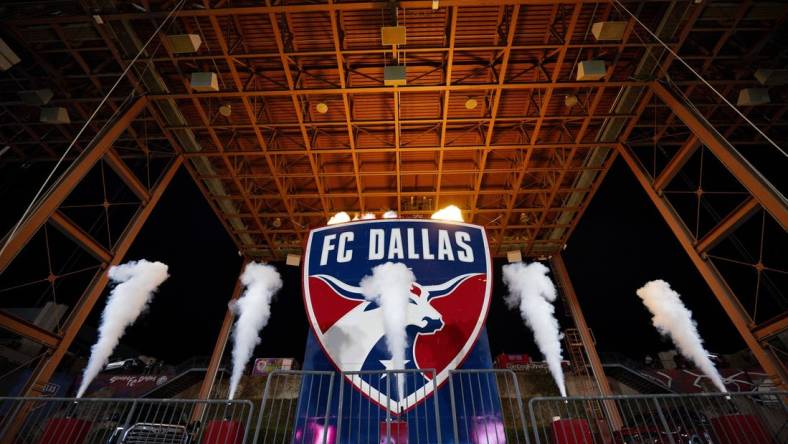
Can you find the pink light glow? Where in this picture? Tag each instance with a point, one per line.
(313, 432)
(487, 430)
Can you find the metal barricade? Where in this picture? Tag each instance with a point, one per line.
(296, 408)
(363, 418)
(123, 421)
(704, 418)
(487, 407)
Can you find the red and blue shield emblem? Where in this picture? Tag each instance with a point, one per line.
(447, 307)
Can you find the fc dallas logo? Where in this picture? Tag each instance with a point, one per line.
(447, 307)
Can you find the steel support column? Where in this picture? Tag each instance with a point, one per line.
(730, 303)
(48, 364)
(562, 274)
(767, 195)
(221, 343)
(66, 183)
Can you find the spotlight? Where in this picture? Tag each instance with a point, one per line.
(277, 222)
(471, 103)
(225, 110)
(322, 108)
(451, 213)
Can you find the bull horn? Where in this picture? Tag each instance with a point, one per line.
(334, 281)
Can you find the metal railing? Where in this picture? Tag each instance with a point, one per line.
(296, 408)
(123, 421)
(705, 418)
(487, 407)
(360, 421)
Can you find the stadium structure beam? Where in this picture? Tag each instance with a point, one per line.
(221, 343)
(470, 87)
(48, 364)
(454, 11)
(273, 9)
(345, 101)
(728, 224)
(724, 294)
(677, 162)
(28, 330)
(42, 212)
(771, 328)
(218, 350)
(129, 178)
(297, 107)
(217, 142)
(416, 149)
(759, 187)
(507, 51)
(83, 307)
(80, 236)
(561, 272)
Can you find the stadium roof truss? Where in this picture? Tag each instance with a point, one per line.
(492, 119)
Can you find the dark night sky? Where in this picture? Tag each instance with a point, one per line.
(620, 244)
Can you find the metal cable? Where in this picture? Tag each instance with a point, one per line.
(35, 201)
(687, 65)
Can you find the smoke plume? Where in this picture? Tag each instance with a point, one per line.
(532, 291)
(136, 282)
(253, 309)
(389, 286)
(672, 318)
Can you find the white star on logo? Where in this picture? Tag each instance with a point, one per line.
(389, 365)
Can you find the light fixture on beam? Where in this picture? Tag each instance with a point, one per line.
(753, 97)
(225, 110)
(591, 70)
(570, 100)
(435, 5)
(36, 97)
(293, 260)
(514, 256)
(205, 81)
(8, 57)
(394, 75)
(277, 223)
(321, 107)
(185, 43)
(392, 35)
(608, 31)
(56, 115)
(471, 103)
(772, 77)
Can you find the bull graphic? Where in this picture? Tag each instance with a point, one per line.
(354, 336)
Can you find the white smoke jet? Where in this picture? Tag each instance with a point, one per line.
(253, 309)
(672, 318)
(532, 291)
(136, 283)
(339, 218)
(448, 213)
(389, 286)
(390, 214)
